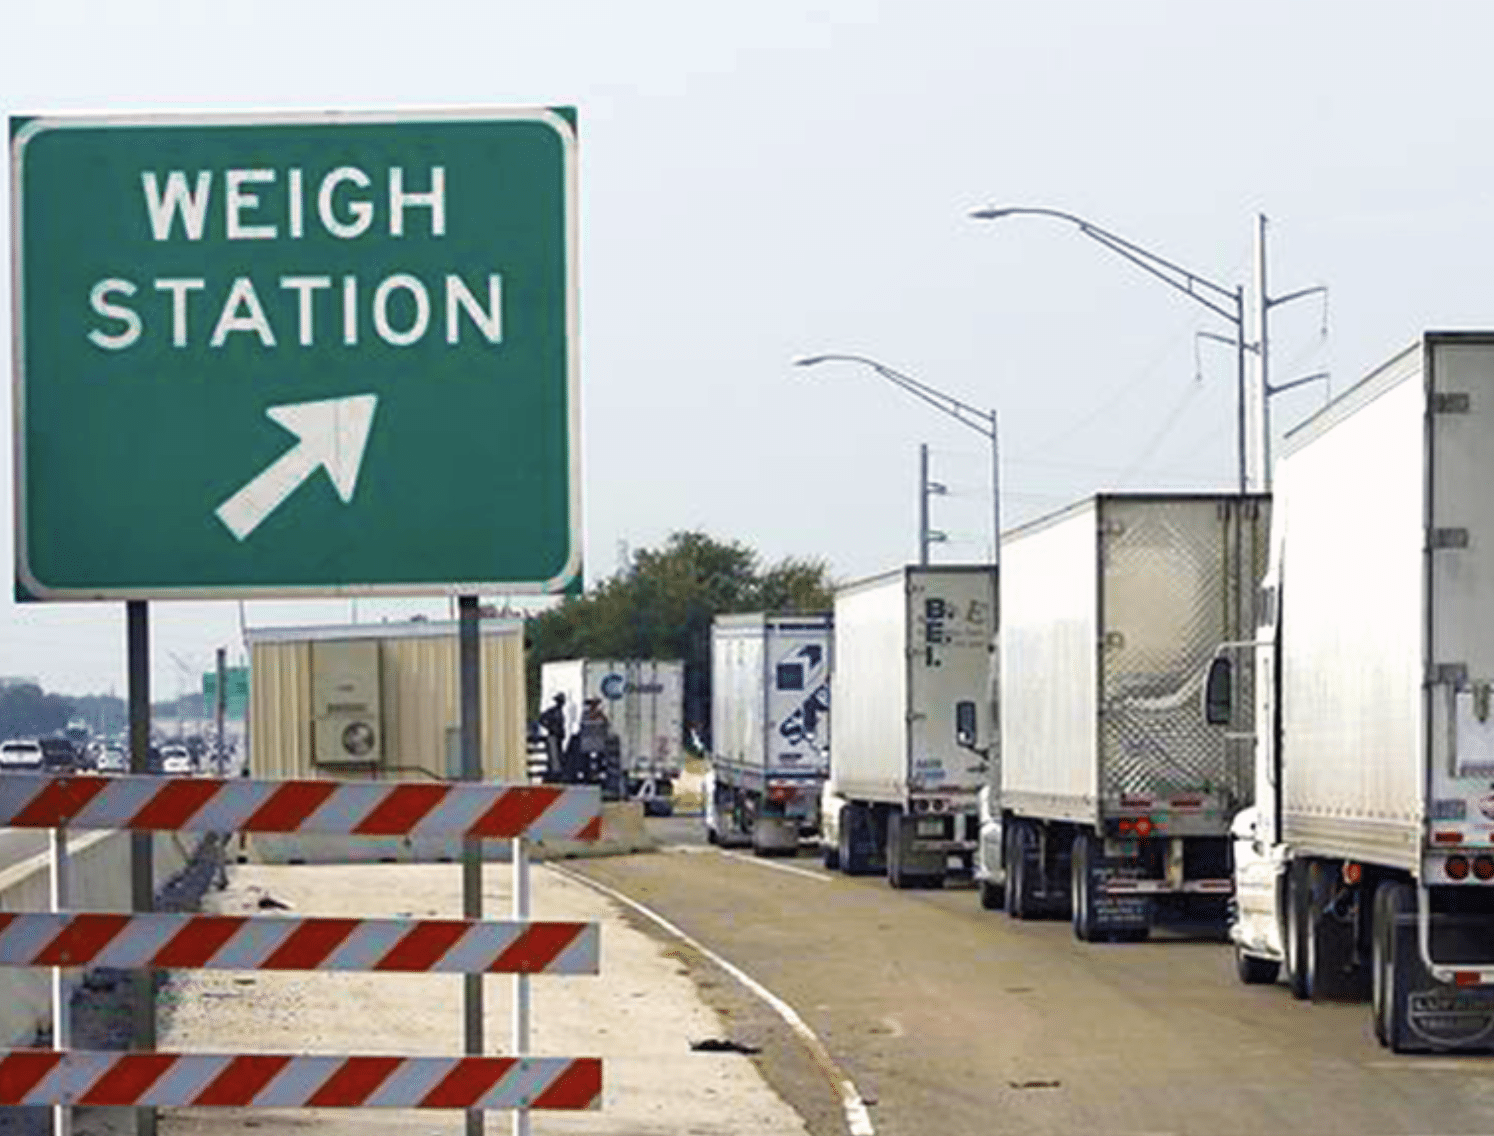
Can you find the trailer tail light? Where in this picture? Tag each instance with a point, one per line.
(1135, 801)
(1447, 837)
(1186, 802)
(1126, 826)
(1465, 978)
(1353, 872)
(1456, 867)
(780, 793)
(1143, 826)
(1483, 867)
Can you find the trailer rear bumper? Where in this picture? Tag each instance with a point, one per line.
(1113, 886)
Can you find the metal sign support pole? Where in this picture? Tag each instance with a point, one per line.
(469, 666)
(142, 844)
(62, 1115)
(521, 981)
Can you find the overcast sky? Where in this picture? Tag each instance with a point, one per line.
(766, 180)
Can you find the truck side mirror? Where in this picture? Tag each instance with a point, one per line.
(1219, 692)
(965, 724)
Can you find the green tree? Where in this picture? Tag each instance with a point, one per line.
(27, 712)
(662, 605)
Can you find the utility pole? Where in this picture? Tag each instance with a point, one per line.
(927, 489)
(220, 704)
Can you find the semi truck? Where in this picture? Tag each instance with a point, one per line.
(1367, 860)
(770, 729)
(643, 700)
(912, 657)
(1112, 799)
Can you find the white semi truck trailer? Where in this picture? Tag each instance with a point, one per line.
(910, 691)
(770, 729)
(644, 702)
(1113, 798)
(1368, 859)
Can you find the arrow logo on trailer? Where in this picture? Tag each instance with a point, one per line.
(333, 433)
(812, 652)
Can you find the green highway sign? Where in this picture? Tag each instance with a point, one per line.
(295, 354)
(235, 691)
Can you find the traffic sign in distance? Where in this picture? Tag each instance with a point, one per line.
(295, 354)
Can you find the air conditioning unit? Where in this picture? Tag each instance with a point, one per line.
(346, 693)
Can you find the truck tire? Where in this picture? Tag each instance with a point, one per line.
(1085, 921)
(1253, 970)
(1020, 871)
(1388, 995)
(1329, 942)
(1294, 930)
(830, 856)
(992, 896)
(851, 863)
(896, 877)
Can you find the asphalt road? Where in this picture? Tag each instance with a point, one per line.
(963, 1022)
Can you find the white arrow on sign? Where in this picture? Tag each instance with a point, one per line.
(333, 433)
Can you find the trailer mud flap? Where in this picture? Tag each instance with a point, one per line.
(1440, 1016)
(1117, 911)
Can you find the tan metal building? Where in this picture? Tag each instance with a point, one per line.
(380, 700)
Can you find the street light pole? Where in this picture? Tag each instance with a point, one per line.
(983, 422)
(927, 489)
(1228, 303)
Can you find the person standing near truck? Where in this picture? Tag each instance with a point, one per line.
(552, 721)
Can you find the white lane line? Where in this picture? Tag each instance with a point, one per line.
(858, 1120)
(817, 877)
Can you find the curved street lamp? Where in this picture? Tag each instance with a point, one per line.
(1225, 302)
(1245, 311)
(983, 422)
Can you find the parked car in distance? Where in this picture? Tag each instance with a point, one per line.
(20, 755)
(58, 755)
(176, 760)
(112, 759)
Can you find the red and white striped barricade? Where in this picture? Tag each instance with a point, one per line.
(325, 807)
(239, 942)
(341, 808)
(81, 1077)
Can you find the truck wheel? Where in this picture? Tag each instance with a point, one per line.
(711, 836)
(850, 863)
(1020, 903)
(1329, 942)
(1294, 938)
(992, 896)
(896, 877)
(1388, 993)
(1254, 970)
(830, 856)
(1085, 921)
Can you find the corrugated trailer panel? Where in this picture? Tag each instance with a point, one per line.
(869, 689)
(418, 664)
(1352, 613)
(280, 710)
(1179, 577)
(1049, 671)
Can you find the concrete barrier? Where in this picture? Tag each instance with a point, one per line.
(100, 881)
(622, 832)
